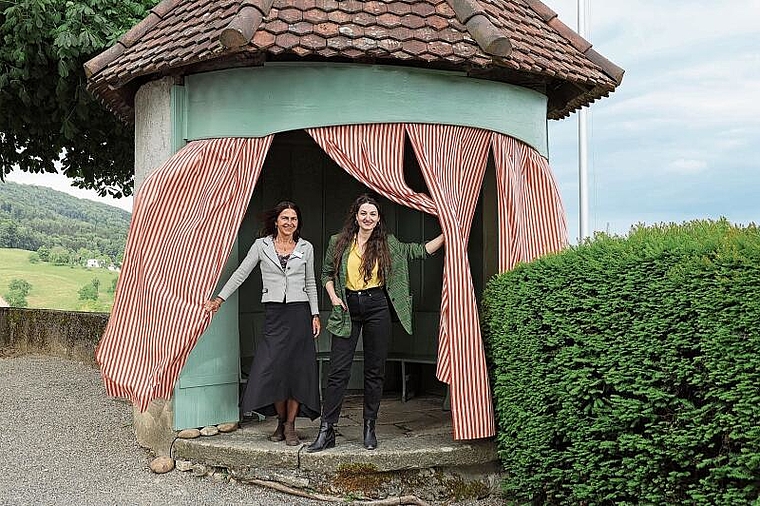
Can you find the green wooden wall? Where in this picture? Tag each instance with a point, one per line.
(286, 98)
(258, 101)
(297, 169)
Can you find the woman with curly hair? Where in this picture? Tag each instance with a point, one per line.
(365, 273)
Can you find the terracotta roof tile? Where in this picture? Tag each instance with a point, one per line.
(264, 39)
(440, 48)
(389, 20)
(413, 21)
(314, 42)
(339, 43)
(444, 9)
(399, 8)
(276, 27)
(291, 15)
(339, 16)
(326, 29)
(352, 6)
(315, 16)
(287, 40)
(533, 46)
(301, 28)
(375, 8)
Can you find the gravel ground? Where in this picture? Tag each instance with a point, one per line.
(63, 441)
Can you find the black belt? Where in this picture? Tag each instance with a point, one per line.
(368, 292)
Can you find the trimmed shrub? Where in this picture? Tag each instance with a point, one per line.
(627, 370)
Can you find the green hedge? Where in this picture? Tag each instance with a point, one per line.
(627, 370)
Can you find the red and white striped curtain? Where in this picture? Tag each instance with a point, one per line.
(374, 155)
(188, 212)
(532, 220)
(453, 161)
(185, 221)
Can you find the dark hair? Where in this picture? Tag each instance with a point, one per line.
(376, 249)
(269, 226)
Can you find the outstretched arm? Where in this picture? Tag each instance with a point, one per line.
(434, 245)
(241, 274)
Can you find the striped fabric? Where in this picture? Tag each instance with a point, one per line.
(185, 220)
(532, 220)
(374, 155)
(453, 161)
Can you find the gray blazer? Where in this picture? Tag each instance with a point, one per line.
(294, 284)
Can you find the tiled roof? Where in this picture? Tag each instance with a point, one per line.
(516, 41)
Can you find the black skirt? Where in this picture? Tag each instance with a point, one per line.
(285, 364)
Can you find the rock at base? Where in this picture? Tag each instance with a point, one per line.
(161, 465)
(211, 430)
(199, 470)
(227, 427)
(189, 434)
(183, 465)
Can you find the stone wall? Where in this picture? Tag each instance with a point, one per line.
(69, 334)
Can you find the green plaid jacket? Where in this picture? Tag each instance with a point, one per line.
(396, 284)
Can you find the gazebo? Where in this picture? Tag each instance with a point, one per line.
(440, 106)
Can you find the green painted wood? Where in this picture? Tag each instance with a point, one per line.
(208, 386)
(178, 111)
(278, 97)
(297, 169)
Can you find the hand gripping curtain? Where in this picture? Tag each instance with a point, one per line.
(185, 220)
(532, 220)
(373, 154)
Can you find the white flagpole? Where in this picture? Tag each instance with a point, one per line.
(583, 139)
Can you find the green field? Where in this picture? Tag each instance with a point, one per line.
(55, 286)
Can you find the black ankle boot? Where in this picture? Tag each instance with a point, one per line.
(325, 439)
(370, 440)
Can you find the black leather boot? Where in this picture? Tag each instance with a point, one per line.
(370, 440)
(325, 439)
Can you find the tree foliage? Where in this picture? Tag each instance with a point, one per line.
(18, 289)
(46, 114)
(90, 291)
(59, 226)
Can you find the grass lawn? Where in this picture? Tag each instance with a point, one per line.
(55, 286)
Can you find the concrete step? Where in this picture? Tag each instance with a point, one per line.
(415, 450)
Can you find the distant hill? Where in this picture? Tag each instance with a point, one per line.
(55, 286)
(35, 216)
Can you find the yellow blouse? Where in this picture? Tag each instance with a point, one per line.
(354, 278)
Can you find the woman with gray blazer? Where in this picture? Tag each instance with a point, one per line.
(291, 323)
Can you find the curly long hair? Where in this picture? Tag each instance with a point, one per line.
(375, 251)
(269, 226)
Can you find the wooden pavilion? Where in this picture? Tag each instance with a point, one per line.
(306, 90)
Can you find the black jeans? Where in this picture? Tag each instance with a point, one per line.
(370, 315)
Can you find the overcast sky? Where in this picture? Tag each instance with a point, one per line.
(678, 140)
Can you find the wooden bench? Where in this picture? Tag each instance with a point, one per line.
(324, 356)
